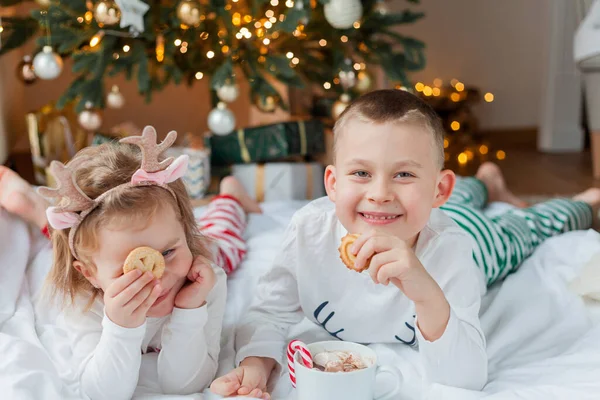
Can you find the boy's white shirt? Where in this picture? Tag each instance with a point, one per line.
(309, 280)
(107, 357)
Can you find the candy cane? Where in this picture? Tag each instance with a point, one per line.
(293, 347)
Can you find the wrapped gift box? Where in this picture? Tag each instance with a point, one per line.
(281, 181)
(197, 176)
(268, 143)
(53, 135)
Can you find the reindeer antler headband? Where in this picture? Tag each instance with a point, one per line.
(151, 173)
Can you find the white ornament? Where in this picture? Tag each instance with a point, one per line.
(132, 14)
(221, 120)
(115, 98)
(228, 92)
(89, 119)
(47, 64)
(340, 105)
(342, 14)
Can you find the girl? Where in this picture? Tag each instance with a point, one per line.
(128, 327)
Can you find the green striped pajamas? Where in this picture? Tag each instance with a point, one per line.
(503, 242)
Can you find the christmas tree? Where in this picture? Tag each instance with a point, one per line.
(157, 43)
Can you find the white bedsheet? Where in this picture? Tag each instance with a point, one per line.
(542, 339)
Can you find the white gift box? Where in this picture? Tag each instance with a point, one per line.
(281, 181)
(197, 176)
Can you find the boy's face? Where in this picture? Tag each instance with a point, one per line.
(386, 177)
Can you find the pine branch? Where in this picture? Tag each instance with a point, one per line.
(17, 31)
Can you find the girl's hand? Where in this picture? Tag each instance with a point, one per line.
(201, 280)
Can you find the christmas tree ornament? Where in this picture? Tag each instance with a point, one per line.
(107, 12)
(47, 64)
(132, 15)
(189, 12)
(115, 98)
(364, 82)
(221, 120)
(381, 8)
(89, 119)
(342, 14)
(267, 104)
(228, 93)
(340, 105)
(43, 3)
(347, 79)
(25, 71)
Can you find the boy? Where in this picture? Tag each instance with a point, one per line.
(388, 184)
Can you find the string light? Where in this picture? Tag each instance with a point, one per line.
(483, 149)
(322, 42)
(257, 24)
(289, 54)
(446, 143)
(177, 42)
(462, 158)
(327, 85)
(489, 97)
(437, 82)
(419, 86)
(436, 91)
(88, 16)
(500, 155)
(273, 20)
(459, 86)
(427, 91)
(357, 66)
(247, 18)
(266, 41)
(204, 35)
(455, 125)
(236, 19)
(455, 97)
(160, 48)
(274, 3)
(210, 54)
(96, 39)
(199, 75)
(356, 25)
(295, 60)
(225, 49)
(453, 82)
(344, 39)
(80, 20)
(282, 17)
(269, 13)
(126, 48)
(289, 3)
(183, 49)
(268, 24)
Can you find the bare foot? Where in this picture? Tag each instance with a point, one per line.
(232, 187)
(591, 197)
(491, 176)
(18, 197)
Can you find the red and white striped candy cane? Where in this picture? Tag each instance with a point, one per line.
(306, 357)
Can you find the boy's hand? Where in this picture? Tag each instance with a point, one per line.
(129, 297)
(393, 261)
(249, 379)
(201, 279)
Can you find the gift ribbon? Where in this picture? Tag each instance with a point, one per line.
(259, 183)
(243, 148)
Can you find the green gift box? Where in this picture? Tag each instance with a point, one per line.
(275, 142)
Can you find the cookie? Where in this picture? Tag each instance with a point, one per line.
(346, 255)
(145, 259)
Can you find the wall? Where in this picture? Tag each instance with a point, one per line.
(499, 46)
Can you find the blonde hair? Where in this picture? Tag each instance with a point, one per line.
(102, 168)
(395, 106)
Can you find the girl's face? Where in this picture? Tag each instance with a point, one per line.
(163, 232)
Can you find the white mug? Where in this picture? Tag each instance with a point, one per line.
(312, 384)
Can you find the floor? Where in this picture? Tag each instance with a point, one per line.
(527, 171)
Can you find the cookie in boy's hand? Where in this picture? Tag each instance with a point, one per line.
(145, 259)
(347, 256)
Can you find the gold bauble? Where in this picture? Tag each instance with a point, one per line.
(189, 12)
(364, 82)
(107, 12)
(340, 105)
(266, 104)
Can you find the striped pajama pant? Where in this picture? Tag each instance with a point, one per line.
(503, 242)
(224, 221)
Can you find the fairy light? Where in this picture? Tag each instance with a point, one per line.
(269, 13)
(295, 60)
(88, 16)
(462, 158)
(266, 41)
(273, 20)
(455, 97)
(419, 86)
(289, 3)
(357, 66)
(488, 97)
(344, 38)
(274, 3)
(80, 20)
(356, 25)
(177, 42)
(470, 155)
(257, 24)
(455, 125)
(183, 49)
(160, 48)
(437, 82)
(500, 155)
(199, 75)
(225, 49)
(236, 19)
(363, 65)
(483, 149)
(247, 18)
(322, 42)
(126, 48)
(327, 85)
(239, 35)
(210, 54)
(453, 82)
(459, 86)
(427, 91)
(96, 39)
(282, 17)
(446, 143)
(289, 55)
(268, 24)
(275, 35)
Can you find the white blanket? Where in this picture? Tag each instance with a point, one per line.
(542, 339)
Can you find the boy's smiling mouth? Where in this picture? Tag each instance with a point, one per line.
(378, 218)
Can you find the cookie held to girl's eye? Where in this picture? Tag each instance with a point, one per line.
(346, 255)
(145, 259)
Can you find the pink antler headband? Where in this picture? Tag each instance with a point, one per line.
(78, 205)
